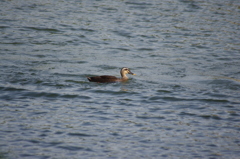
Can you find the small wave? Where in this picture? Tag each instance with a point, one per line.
(74, 148)
(80, 135)
(43, 29)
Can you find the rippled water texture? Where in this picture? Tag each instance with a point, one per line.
(183, 103)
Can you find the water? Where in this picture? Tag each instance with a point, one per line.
(183, 103)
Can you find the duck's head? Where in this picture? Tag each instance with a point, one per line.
(125, 71)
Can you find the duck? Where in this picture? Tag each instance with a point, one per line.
(110, 79)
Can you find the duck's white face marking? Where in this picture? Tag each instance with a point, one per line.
(125, 70)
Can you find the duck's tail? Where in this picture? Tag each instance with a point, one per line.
(89, 78)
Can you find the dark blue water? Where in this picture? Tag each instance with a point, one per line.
(183, 103)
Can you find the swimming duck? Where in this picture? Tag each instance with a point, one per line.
(108, 79)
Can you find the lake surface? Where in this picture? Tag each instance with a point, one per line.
(183, 103)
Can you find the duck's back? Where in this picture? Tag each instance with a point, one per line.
(103, 79)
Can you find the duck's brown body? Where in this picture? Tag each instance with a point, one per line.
(110, 79)
(103, 79)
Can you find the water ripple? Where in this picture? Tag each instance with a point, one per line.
(183, 103)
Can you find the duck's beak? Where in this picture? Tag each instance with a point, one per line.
(131, 73)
